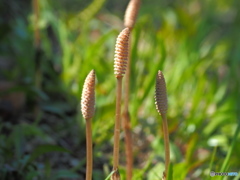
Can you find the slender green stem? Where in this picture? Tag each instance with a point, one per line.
(89, 149)
(166, 143)
(35, 5)
(38, 53)
(117, 127)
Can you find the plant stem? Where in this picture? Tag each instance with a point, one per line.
(166, 143)
(117, 128)
(89, 149)
(127, 79)
(37, 54)
(35, 5)
(126, 120)
(128, 146)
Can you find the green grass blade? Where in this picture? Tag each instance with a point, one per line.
(109, 175)
(170, 172)
(227, 159)
(212, 160)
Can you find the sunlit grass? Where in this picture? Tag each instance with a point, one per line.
(191, 52)
(196, 44)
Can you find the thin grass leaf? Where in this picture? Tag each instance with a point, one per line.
(109, 176)
(230, 150)
(212, 160)
(170, 172)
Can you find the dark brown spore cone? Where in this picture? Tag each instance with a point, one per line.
(161, 94)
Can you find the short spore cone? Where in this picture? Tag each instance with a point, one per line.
(88, 96)
(161, 94)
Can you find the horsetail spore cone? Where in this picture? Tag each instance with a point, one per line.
(162, 106)
(120, 64)
(87, 104)
(131, 13)
(88, 96)
(161, 94)
(121, 53)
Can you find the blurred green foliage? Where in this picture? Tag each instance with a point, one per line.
(196, 45)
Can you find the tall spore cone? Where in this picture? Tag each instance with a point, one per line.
(121, 53)
(131, 13)
(88, 96)
(161, 94)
